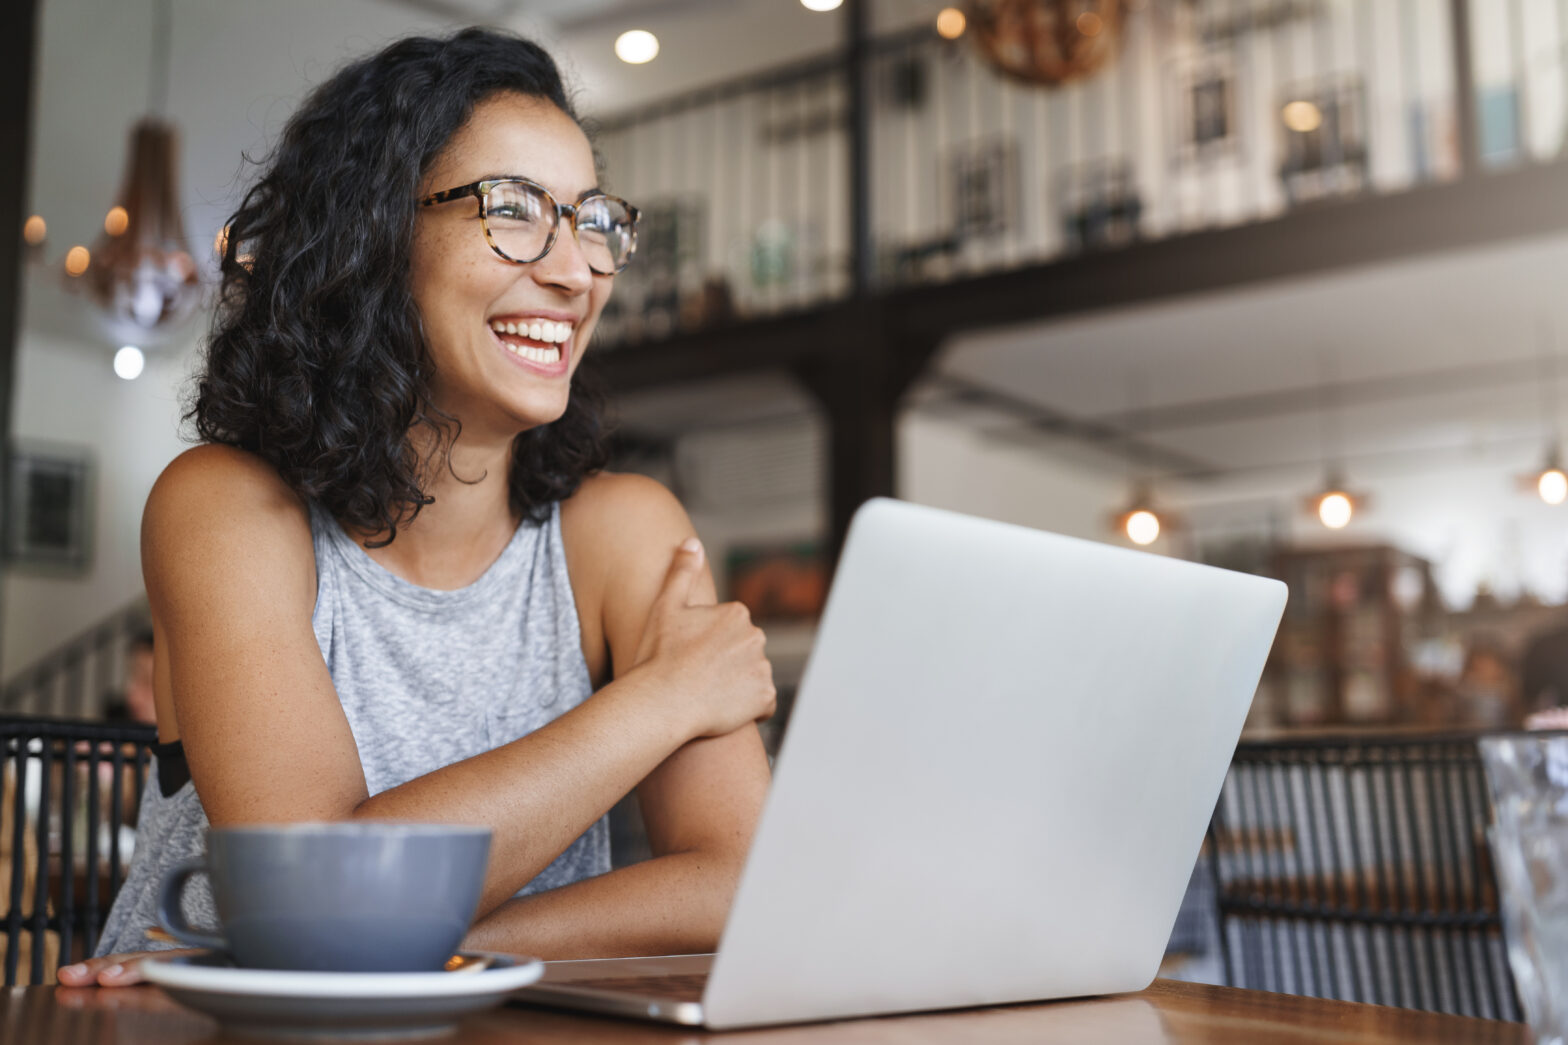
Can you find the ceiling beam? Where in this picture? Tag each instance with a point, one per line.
(1204, 413)
(778, 342)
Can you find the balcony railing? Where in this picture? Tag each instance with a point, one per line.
(1214, 113)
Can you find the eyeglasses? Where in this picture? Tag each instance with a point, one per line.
(521, 219)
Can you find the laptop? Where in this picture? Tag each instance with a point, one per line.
(1002, 759)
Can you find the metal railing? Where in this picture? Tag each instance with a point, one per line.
(1214, 113)
(69, 792)
(1358, 869)
(78, 678)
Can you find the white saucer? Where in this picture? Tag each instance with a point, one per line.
(310, 1004)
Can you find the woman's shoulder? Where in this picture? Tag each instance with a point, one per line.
(620, 532)
(608, 500)
(213, 496)
(620, 518)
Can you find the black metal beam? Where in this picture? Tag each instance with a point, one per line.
(18, 51)
(857, 67)
(1467, 134)
(779, 342)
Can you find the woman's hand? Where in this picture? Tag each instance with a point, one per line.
(112, 970)
(710, 658)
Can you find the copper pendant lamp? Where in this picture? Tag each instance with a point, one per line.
(1047, 42)
(143, 276)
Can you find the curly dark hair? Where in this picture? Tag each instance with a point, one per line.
(317, 359)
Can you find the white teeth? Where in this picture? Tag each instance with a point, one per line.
(544, 330)
(546, 356)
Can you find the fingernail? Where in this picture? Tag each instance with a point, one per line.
(113, 972)
(75, 970)
(691, 544)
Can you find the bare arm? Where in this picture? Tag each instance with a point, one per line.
(700, 805)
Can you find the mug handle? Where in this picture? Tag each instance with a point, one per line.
(172, 918)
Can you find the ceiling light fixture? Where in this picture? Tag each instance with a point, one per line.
(1333, 504)
(1142, 526)
(636, 47)
(1139, 522)
(1302, 116)
(951, 23)
(144, 279)
(128, 362)
(1550, 482)
(1335, 508)
(820, 5)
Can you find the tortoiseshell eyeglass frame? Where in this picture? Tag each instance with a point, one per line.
(480, 190)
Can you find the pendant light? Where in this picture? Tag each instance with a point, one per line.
(1551, 482)
(1333, 504)
(142, 275)
(1139, 521)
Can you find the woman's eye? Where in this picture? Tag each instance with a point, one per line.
(508, 212)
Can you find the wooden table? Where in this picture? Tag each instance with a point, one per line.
(1168, 1013)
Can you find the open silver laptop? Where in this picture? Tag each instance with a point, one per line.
(1002, 758)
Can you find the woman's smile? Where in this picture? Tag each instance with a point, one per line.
(539, 341)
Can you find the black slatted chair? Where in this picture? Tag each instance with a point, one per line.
(1357, 869)
(67, 788)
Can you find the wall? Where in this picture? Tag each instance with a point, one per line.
(236, 72)
(947, 464)
(67, 394)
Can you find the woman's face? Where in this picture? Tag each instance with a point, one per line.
(499, 383)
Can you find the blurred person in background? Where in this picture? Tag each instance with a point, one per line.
(1544, 679)
(136, 702)
(1486, 692)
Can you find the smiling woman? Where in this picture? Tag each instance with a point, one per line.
(396, 582)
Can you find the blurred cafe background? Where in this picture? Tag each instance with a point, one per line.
(1276, 285)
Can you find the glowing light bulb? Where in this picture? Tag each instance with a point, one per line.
(1143, 526)
(116, 221)
(1302, 117)
(1335, 510)
(76, 261)
(951, 23)
(34, 230)
(1553, 486)
(636, 47)
(820, 5)
(128, 362)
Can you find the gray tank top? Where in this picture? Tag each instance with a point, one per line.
(427, 678)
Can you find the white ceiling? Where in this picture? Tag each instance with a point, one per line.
(1430, 356)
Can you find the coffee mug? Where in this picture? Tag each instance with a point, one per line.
(363, 896)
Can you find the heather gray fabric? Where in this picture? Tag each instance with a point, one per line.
(426, 678)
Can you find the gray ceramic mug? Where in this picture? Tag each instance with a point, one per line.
(365, 896)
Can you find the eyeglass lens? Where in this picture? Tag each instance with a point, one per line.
(520, 218)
